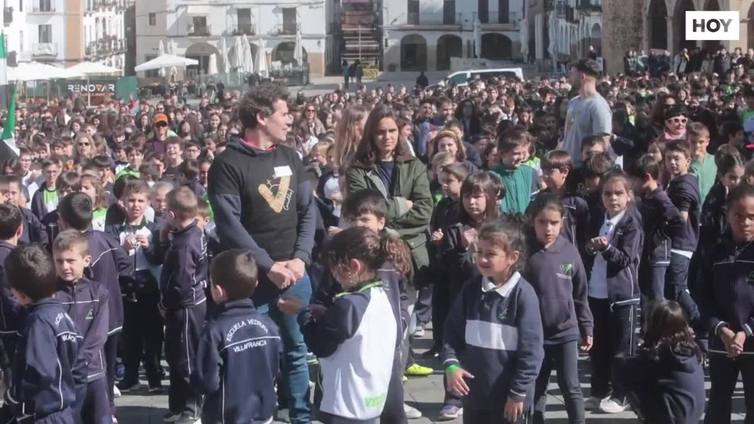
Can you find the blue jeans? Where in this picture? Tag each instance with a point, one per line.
(676, 285)
(294, 386)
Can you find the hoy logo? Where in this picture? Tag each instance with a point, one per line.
(710, 25)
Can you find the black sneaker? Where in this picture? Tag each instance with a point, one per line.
(171, 417)
(126, 386)
(188, 419)
(156, 388)
(432, 353)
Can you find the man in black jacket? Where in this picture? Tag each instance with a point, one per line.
(263, 202)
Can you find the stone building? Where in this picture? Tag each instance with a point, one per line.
(425, 34)
(660, 24)
(197, 28)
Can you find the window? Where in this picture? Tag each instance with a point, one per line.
(289, 20)
(20, 5)
(484, 11)
(413, 12)
(45, 5)
(503, 10)
(200, 25)
(152, 19)
(244, 21)
(45, 34)
(449, 12)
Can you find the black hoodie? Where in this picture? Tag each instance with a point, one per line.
(262, 201)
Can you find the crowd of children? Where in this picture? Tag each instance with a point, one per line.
(640, 257)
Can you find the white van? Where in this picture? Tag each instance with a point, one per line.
(462, 78)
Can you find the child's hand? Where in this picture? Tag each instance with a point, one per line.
(468, 236)
(729, 341)
(437, 236)
(143, 241)
(738, 342)
(331, 231)
(513, 410)
(456, 382)
(586, 343)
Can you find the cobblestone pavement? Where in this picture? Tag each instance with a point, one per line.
(424, 393)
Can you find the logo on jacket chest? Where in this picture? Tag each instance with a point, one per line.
(566, 271)
(89, 315)
(277, 192)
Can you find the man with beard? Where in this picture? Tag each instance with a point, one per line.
(588, 112)
(262, 202)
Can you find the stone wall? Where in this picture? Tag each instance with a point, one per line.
(622, 29)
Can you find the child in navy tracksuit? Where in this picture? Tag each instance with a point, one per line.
(356, 337)
(660, 219)
(10, 193)
(87, 304)
(683, 190)
(726, 300)
(239, 351)
(665, 382)
(713, 222)
(614, 251)
(557, 274)
(109, 267)
(11, 314)
(493, 336)
(142, 324)
(47, 367)
(556, 167)
(182, 283)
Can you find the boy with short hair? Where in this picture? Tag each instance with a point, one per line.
(556, 166)
(87, 304)
(660, 219)
(110, 267)
(182, 283)
(173, 157)
(11, 231)
(236, 370)
(683, 191)
(158, 202)
(45, 199)
(519, 179)
(11, 193)
(702, 163)
(142, 323)
(47, 367)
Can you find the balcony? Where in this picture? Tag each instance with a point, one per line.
(199, 30)
(7, 15)
(37, 10)
(244, 29)
(283, 30)
(44, 50)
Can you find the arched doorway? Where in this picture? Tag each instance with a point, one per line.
(448, 46)
(413, 53)
(200, 52)
(596, 36)
(679, 25)
(283, 53)
(658, 25)
(496, 47)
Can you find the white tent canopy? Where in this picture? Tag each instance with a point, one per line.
(93, 68)
(166, 61)
(35, 71)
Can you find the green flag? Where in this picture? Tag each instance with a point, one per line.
(9, 126)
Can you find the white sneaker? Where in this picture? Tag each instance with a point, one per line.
(116, 391)
(592, 403)
(612, 406)
(411, 412)
(419, 332)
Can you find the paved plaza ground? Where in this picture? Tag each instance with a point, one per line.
(424, 393)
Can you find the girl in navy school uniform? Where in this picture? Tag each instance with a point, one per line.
(557, 274)
(726, 297)
(453, 240)
(613, 252)
(665, 382)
